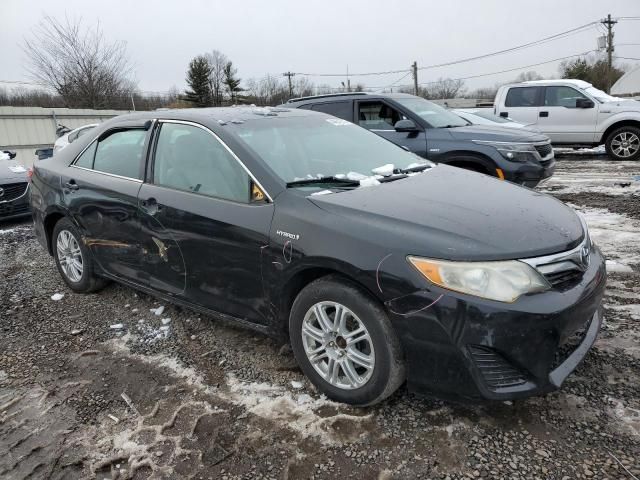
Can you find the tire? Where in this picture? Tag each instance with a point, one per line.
(79, 275)
(378, 344)
(624, 143)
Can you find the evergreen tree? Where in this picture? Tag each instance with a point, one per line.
(231, 81)
(199, 92)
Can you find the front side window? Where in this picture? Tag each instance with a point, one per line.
(377, 116)
(191, 159)
(562, 96)
(337, 109)
(522, 97)
(120, 152)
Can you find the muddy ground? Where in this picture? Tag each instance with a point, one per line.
(209, 401)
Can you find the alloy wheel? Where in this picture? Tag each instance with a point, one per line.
(69, 255)
(625, 144)
(338, 345)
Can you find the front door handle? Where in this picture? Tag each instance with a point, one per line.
(504, 114)
(544, 114)
(71, 185)
(150, 205)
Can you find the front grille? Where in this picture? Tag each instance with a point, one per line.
(569, 346)
(564, 278)
(11, 191)
(496, 370)
(544, 150)
(9, 209)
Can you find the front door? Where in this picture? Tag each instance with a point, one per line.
(380, 117)
(562, 121)
(203, 235)
(100, 191)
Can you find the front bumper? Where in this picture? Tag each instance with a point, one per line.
(531, 175)
(15, 207)
(469, 348)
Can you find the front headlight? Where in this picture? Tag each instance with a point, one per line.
(519, 152)
(504, 281)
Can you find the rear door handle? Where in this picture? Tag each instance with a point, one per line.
(544, 114)
(72, 185)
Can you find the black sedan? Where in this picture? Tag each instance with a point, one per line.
(378, 265)
(14, 183)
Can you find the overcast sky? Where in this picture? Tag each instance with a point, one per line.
(275, 36)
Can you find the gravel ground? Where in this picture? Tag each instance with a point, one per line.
(173, 394)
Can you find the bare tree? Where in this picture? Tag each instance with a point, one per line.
(78, 63)
(217, 62)
(527, 76)
(443, 88)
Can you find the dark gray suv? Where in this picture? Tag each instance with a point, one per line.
(435, 133)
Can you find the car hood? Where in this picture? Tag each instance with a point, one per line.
(12, 171)
(497, 134)
(450, 213)
(622, 105)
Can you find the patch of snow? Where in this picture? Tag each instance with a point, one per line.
(4, 156)
(166, 321)
(628, 418)
(613, 266)
(297, 385)
(384, 170)
(117, 326)
(369, 182)
(157, 311)
(354, 176)
(57, 297)
(322, 192)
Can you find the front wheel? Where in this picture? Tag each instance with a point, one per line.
(624, 143)
(344, 343)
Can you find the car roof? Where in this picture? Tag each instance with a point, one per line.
(347, 96)
(562, 81)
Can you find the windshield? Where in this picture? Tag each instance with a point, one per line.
(600, 95)
(435, 115)
(299, 148)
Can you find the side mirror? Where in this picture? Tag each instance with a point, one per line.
(406, 126)
(584, 103)
(11, 154)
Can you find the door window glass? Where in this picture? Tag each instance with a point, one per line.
(121, 153)
(191, 159)
(377, 116)
(522, 97)
(561, 96)
(86, 159)
(337, 109)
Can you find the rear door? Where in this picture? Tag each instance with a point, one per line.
(204, 225)
(100, 190)
(380, 117)
(561, 120)
(522, 104)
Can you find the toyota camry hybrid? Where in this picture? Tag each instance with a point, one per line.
(378, 265)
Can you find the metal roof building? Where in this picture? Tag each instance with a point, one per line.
(628, 85)
(25, 129)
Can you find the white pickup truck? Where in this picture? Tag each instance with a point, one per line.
(573, 113)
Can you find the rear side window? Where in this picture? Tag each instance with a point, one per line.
(337, 109)
(191, 159)
(121, 153)
(86, 159)
(522, 97)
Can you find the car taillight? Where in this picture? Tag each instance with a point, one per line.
(30, 173)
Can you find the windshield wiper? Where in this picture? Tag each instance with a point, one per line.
(417, 168)
(452, 126)
(343, 182)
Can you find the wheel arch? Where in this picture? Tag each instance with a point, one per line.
(470, 160)
(49, 223)
(616, 125)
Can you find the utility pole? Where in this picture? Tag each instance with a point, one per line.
(289, 75)
(133, 104)
(414, 71)
(609, 23)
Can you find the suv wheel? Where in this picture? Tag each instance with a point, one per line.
(344, 343)
(624, 143)
(73, 259)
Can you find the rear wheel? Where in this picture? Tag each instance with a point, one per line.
(344, 343)
(73, 259)
(624, 143)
